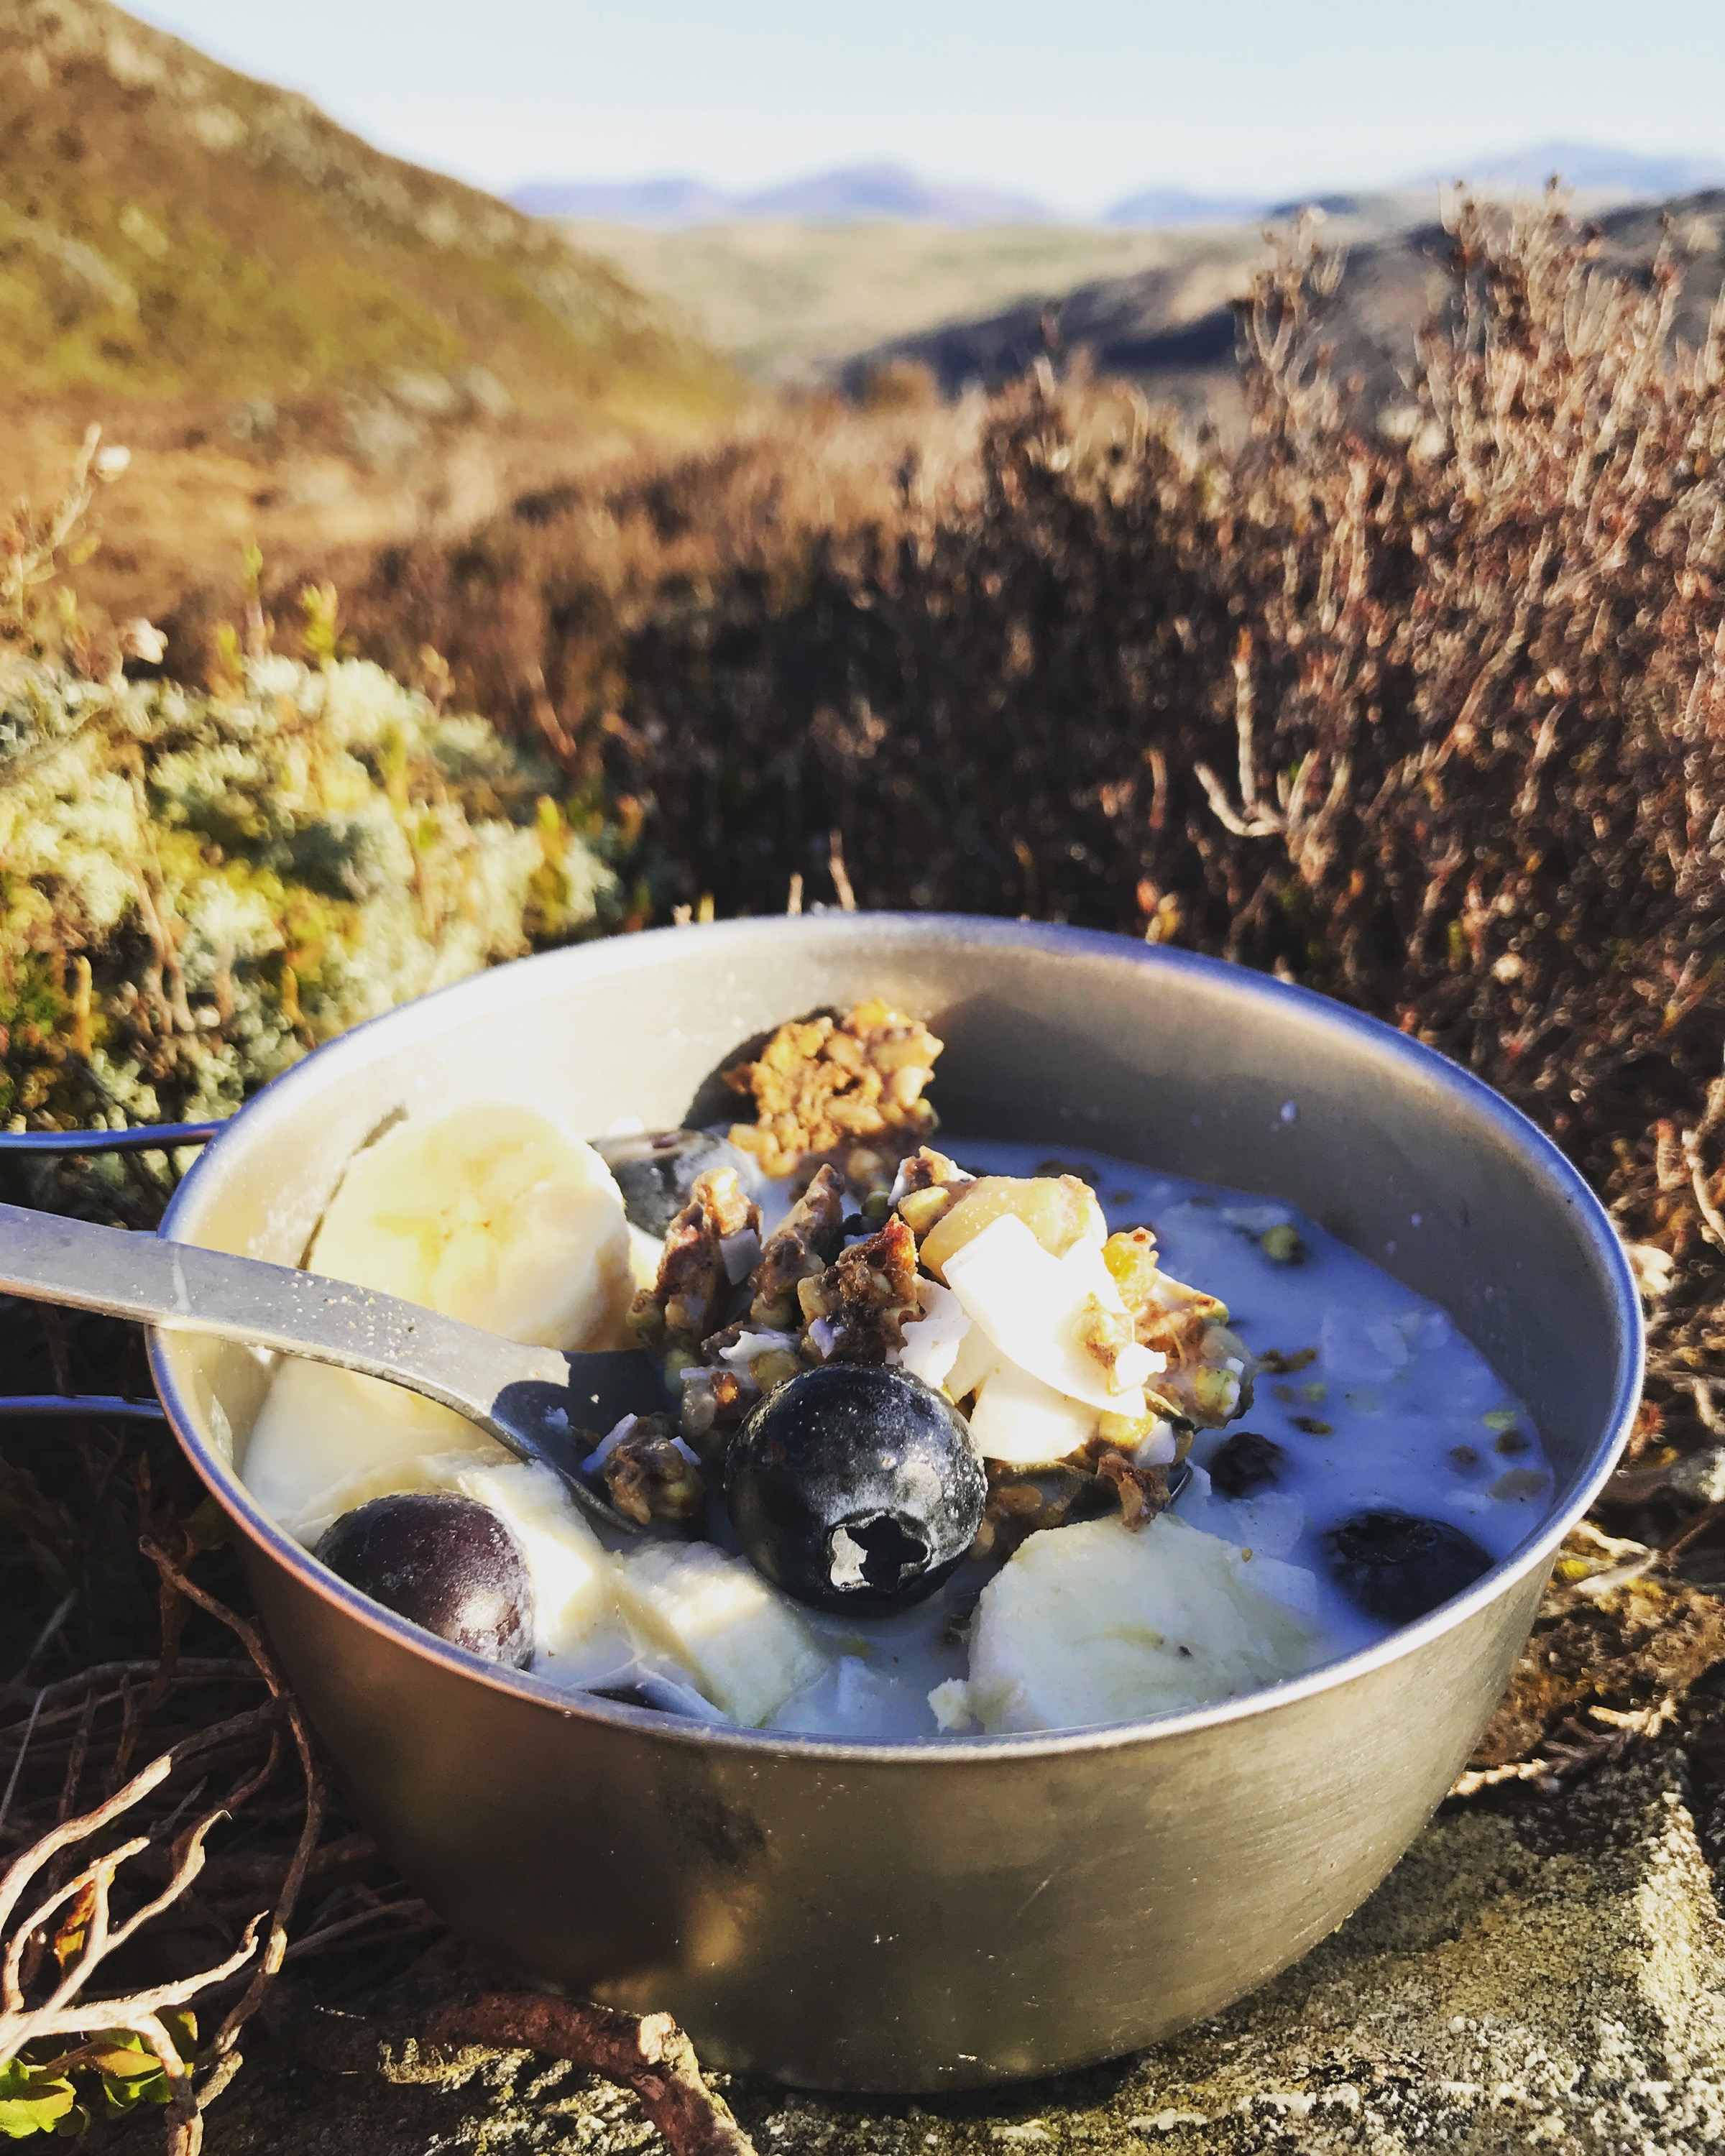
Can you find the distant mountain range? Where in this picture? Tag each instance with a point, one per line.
(854, 195)
(1158, 206)
(1590, 167)
(864, 193)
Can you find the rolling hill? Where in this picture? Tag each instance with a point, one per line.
(305, 343)
(1170, 327)
(168, 227)
(853, 194)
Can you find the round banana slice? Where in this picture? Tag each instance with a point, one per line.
(493, 1213)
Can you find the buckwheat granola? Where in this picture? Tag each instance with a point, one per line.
(847, 1090)
(650, 1477)
(710, 1246)
(800, 1248)
(856, 1310)
(1209, 1375)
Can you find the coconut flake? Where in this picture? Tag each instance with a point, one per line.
(1159, 1448)
(1029, 1305)
(740, 1254)
(608, 1445)
(901, 1181)
(751, 1345)
(1022, 1423)
(932, 1341)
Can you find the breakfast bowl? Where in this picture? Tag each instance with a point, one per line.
(889, 1916)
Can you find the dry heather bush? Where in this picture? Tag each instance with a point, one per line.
(1433, 723)
(1463, 691)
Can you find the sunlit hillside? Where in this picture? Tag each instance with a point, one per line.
(299, 337)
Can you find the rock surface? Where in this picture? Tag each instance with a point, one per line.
(1538, 1971)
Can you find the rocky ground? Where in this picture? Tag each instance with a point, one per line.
(1540, 1970)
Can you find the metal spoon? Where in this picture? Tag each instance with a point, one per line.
(538, 1402)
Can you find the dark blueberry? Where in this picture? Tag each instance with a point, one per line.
(854, 1488)
(655, 1171)
(444, 1561)
(1246, 1463)
(1396, 1568)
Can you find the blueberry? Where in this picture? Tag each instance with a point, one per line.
(655, 1171)
(1396, 1567)
(446, 1562)
(854, 1488)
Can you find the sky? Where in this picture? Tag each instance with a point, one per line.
(1077, 102)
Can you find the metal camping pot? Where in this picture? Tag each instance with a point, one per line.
(919, 1917)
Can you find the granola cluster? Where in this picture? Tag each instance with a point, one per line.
(650, 1477)
(804, 1301)
(840, 1103)
(1207, 1379)
(713, 1243)
(848, 1092)
(799, 1248)
(857, 1310)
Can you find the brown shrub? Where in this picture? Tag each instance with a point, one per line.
(1462, 690)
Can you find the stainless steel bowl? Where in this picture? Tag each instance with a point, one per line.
(900, 1918)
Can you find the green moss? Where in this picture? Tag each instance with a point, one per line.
(199, 887)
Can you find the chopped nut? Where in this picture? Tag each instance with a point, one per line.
(714, 1401)
(1058, 1211)
(799, 1247)
(651, 1478)
(1020, 1505)
(1188, 1326)
(1142, 1491)
(1125, 1432)
(777, 1368)
(927, 1187)
(1104, 1334)
(694, 1282)
(919, 1209)
(849, 1092)
(857, 1310)
(1278, 1361)
(926, 1169)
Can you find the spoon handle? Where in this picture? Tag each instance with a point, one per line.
(184, 1288)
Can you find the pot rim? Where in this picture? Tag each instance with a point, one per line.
(616, 954)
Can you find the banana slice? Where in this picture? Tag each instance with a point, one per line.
(325, 1440)
(578, 1632)
(743, 1644)
(1095, 1623)
(496, 1215)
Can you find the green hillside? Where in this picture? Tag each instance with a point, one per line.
(171, 228)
